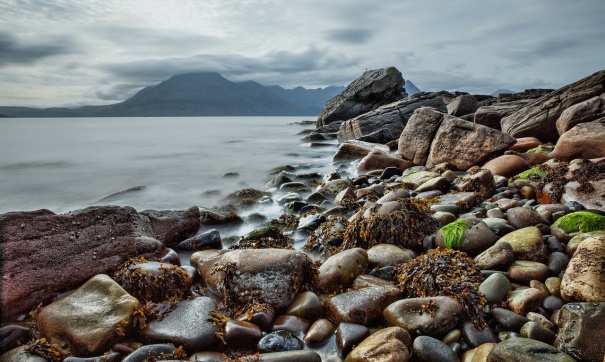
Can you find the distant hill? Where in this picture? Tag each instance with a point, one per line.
(500, 91)
(200, 94)
(410, 88)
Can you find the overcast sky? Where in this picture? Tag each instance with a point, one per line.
(78, 52)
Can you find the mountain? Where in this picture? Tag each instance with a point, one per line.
(199, 94)
(410, 88)
(500, 91)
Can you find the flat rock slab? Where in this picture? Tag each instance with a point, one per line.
(87, 242)
(580, 326)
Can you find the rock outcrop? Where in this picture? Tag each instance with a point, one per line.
(462, 105)
(586, 140)
(582, 112)
(490, 116)
(391, 117)
(538, 118)
(373, 89)
(44, 254)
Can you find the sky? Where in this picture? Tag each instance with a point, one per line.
(88, 52)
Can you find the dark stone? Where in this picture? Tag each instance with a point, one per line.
(526, 350)
(241, 333)
(170, 256)
(429, 349)
(475, 337)
(582, 331)
(557, 262)
(291, 323)
(260, 314)
(552, 303)
(111, 357)
(295, 206)
(210, 239)
(508, 320)
(152, 350)
(12, 336)
(311, 222)
(279, 341)
(349, 335)
(390, 171)
(291, 356)
(307, 305)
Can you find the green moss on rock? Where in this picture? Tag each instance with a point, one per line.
(581, 222)
(525, 175)
(453, 234)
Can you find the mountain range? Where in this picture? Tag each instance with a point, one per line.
(200, 94)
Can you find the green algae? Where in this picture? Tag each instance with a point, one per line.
(581, 222)
(538, 149)
(453, 234)
(540, 172)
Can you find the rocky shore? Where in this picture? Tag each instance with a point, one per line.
(452, 228)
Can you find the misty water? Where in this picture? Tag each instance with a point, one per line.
(167, 163)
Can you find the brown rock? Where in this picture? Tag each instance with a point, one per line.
(507, 165)
(490, 116)
(538, 118)
(339, 271)
(533, 158)
(387, 345)
(84, 243)
(481, 182)
(586, 140)
(522, 217)
(415, 140)
(581, 329)
(525, 143)
(444, 315)
(584, 278)
(377, 160)
(462, 105)
(524, 271)
(361, 306)
(587, 111)
(354, 150)
(523, 301)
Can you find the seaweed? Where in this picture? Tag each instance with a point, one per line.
(453, 234)
(581, 222)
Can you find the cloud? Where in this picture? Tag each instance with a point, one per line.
(350, 36)
(14, 50)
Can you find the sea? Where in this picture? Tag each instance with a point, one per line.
(65, 164)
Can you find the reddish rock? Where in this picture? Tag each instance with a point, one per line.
(462, 105)
(533, 158)
(525, 143)
(415, 140)
(354, 150)
(507, 165)
(490, 116)
(44, 254)
(586, 140)
(377, 160)
(587, 111)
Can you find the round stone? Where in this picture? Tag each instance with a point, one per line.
(306, 305)
(495, 288)
(279, 341)
(429, 349)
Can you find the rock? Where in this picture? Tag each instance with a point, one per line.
(154, 282)
(382, 255)
(461, 201)
(415, 140)
(523, 271)
(85, 243)
(239, 333)
(418, 178)
(261, 315)
(378, 161)
(333, 187)
(170, 226)
(338, 271)
(188, 325)
(279, 341)
(527, 244)
(523, 301)
(12, 336)
(557, 262)
(534, 331)
(429, 349)
(20, 354)
(538, 118)
(368, 92)
(508, 320)
(148, 352)
(464, 144)
(581, 325)
(306, 305)
(462, 105)
(521, 217)
(507, 165)
(319, 332)
(526, 350)
(586, 111)
(498, 257)
(273, 276)
(444, 314)
(586, 140)
(349, 335)
(361, 306)
(290, 356)
(466, 235)
(440, 184)
(291, 323)
(481, 182)
(474, 336)
(532, 158)
(354, 150)
(584, 279)
(495, 288)
(83, 323)
(490, 116)
(387, 345)
(391, 117)
(525, 144)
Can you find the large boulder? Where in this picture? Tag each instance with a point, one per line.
(490, 116)
(391, 117)
(377, 160)
(587, 111)
(462, 105)
(373, 89)
(415, 140)
(584, 278)
(539, 118)
(354, 150)
(273, 276)
(43, 254)
(580, 325)
(586, 140)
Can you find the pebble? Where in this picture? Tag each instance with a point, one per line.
(508, 320)
(429, 349)
(12, 336)
(149, 351)
(404, 313)
(210, 239)
(382, 255)
(306, 305)
(553, 284)
(557, 262)
(388, 344)
(241, 333)
(339, 271)
(278, 341)
(290, 356)
(319, 332)
(261, 315)
(361, 306)
(524, 301)
(349, 335)
(290, 323)
(495, 288)
(526, 350)
(498, 257)
(475, 336)
(533, 330)
(524, 271)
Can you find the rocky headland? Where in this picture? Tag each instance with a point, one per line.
(452, 228)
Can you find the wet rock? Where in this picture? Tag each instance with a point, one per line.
(261, 315)
(279, 179)
(553, 284)
(349, 335)
(361, 306)
(188, 325)
(378, 161)
(12, 336)
(437, 318)
(581, 325)
(153, 281)
(388, 344)
(475, 337)
(150, 351)
(523, 301)
(279, 341)
(417, 179)
(462, 105)
(207, 357)
(586, 140)
(83, 323)
(241, 333)
(526, 350)
(390, 172)
(440, 184)
(527, 244)
(552, 303)
(557, 262)
(534, 331)
(306, 305)
(538, 119)
(477, 237)
(368, 92)
(429, 349)
(355, 150)
(170, 256)
(289, 197)
(85, 243)
(290, 323)
(523, 271)
(462, 201)
(586, 111)
(273, 276)
(584, 279)
(109, 357)
(382, 255)
(498, 257)
(507, 165)
(319, 332)
(333, 187)
(495, 288)
(311, 222)
(20, 354)
(508, 320)
(290, 356)
(338, 271)
(521, 217)
(170, 226)
(365, 280)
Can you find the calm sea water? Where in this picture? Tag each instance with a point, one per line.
(65, 164)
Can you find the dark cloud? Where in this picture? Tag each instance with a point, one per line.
(528, 52)
(118, 92)
(14, 50)
(350, 36)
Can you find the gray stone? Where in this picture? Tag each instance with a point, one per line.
(490, 116)
(582, 330)
(495, 288)
(20, 354)
(462, 105)
(429, 349)
(526, 350)
(361, 306)
(508, 320)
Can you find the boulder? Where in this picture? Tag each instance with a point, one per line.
(507, 165)
(84, 243)
(580, 325)
(273, 276)
(371, 90)
(587, 111)
(432, 316)
(462, 105)
(361, 306)
(525, 144)
(391, 117)
(584, 279)
(415, 140)
(538, 118)
(526, 350)
(490, 116)
(354, 150)
(377, 160)
(84, 322)
(338, 272)
(586, 140)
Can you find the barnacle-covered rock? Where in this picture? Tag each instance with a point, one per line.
(444, 272)
(268, 236)
(406, 227)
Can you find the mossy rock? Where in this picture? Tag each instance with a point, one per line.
(525, 175)
(453, 234)
(540, 149)
(581, 222)
(268, 231)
